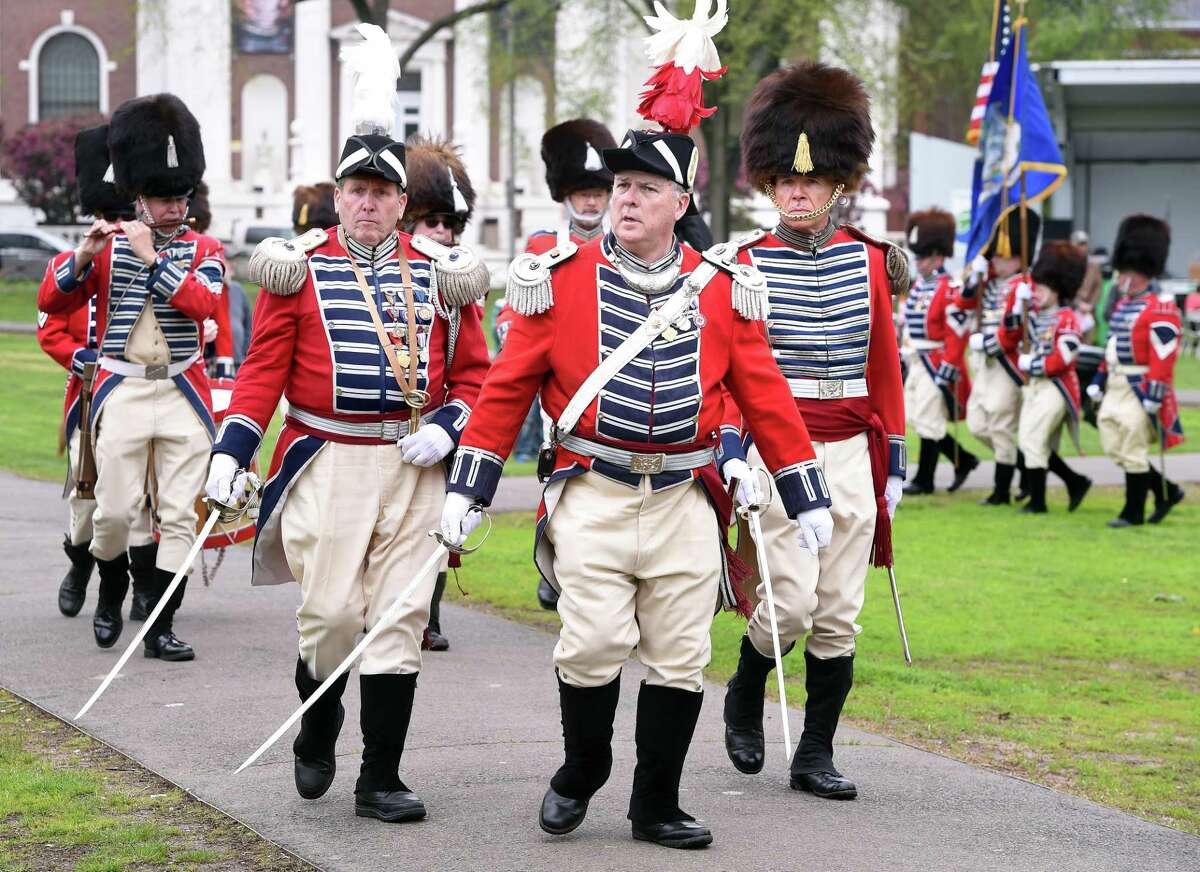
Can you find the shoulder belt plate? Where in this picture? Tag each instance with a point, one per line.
(529, 290)
(895, 260)
(280, 266)
(460, 274)
(749, 291)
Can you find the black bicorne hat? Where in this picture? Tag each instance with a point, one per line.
(670, 155)
(373, 154)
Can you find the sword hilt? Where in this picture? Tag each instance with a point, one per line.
(464, 549)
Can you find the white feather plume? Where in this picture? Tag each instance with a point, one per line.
(686, 43)
(375, 67)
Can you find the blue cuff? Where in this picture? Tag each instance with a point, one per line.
(802, 487)
(729, 448)
(897, 456)
(476, 473)
(240, 437)
(1012, 320)
(1155, 390)
(991, 345)
(947, 373)
(452, 418)
(1101, 379)
(80, 357)
(166, 278)
(64, 277)
(1037, 366)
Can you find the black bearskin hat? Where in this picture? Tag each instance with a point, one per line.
(312, 206)
(96, 196)
(1143, 243)
(930, 232)
(809, 118)
(571, 152)
(437, 181)
(1006, 241)
(1061, 266)
(156, 147)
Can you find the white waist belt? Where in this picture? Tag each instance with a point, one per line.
(645, 464)
(827, 388)
(1131, 369)
(385, 431)
(926, 344)
(153, 371)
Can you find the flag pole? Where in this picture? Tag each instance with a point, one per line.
(1018, 31)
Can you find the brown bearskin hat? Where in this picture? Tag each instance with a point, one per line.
(1061, 267)
(435, 175)
(825, 105)
(312, 206)
(199, 209)
(156, 147)
(96, 196)
(1143, 243)
(571, 152)
(930, 232)
(1006, 241)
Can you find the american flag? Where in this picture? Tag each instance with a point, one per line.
(1001, 34)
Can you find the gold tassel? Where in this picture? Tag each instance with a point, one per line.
(803, 160)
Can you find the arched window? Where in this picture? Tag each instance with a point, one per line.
(68, 76)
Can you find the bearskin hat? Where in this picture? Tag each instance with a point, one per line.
(1061, 266)
(96, 196)
(1006, 241)
(199, 208)
(1143, 243)
(312, 206)
(156, 147)
(438, 183)
(571, 152)
(808, 118)
(929, 232)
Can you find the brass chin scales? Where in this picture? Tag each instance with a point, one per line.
(769, 190)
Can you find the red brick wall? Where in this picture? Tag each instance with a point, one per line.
(113, 21)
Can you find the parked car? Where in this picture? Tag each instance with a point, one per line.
(25, 251)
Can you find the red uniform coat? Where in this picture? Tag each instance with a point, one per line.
(1054, 341)
(969, 301)
(70, 339)
(932, 314)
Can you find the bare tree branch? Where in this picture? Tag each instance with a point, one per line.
(448, 21)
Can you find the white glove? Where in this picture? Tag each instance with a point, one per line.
(210, 330)
(1151, 406)
(1095, 392)
(226, 485)
(979, 269)
(816, 529)
(427, 446)
(747, 493)
(893, 492)
(458, 521)
(1086, 322)
(1024, 362)
(975, 342)
(1024, 292)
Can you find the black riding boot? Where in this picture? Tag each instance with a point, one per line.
(744, 695)
(114, 583)
(1134, 512)
(387, 702)
(315, 746)
(161, 641)
(666, 719)
(1077, 483)
(827, 682)
(141, 567)
(73, 590)
(964, 461)
(922, 482)
(1167, 495)
(1035, 481)
(1022, 490)
(434, 640)
(547, 596)
(587, 722)
(1001, 494)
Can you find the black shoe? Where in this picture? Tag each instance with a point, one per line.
(826, 785)
(144, 580)
(1035, 480)
(389, 806)
(828, 682)
(1076, 491)
(167, 646)
(743, 710)
(964, 461)
(315, 747)
(1001, 494)
(1167, 495)
(1120, 523)
(114, 583)
(922, 480)
(674, 834)
(561, 814)
(73, 590)
(995, 499)
(1133, 514)
(433, 639)
(547, 596)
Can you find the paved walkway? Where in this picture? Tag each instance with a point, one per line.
(485, 738)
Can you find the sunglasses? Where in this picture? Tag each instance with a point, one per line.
(451, 222)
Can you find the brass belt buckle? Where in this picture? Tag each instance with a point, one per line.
(647, 464)
(156, 370)
(390, 432)
(830, 389)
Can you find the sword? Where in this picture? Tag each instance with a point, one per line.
(899, 614)
(751, 513)
(214, 515)
(385, 621)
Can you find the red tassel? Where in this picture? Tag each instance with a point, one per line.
(739, 572)
(881, 550)
(675, 99)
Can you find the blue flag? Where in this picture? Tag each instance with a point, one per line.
(1016, 138)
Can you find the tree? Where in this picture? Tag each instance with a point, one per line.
(39, 159)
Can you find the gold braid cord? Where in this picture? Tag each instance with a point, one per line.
(769, 190)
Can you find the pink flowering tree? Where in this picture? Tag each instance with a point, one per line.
(39, 159)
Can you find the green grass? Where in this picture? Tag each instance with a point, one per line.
(1051, 648)
(18, 301)
(1187, 373)
(68, 802)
